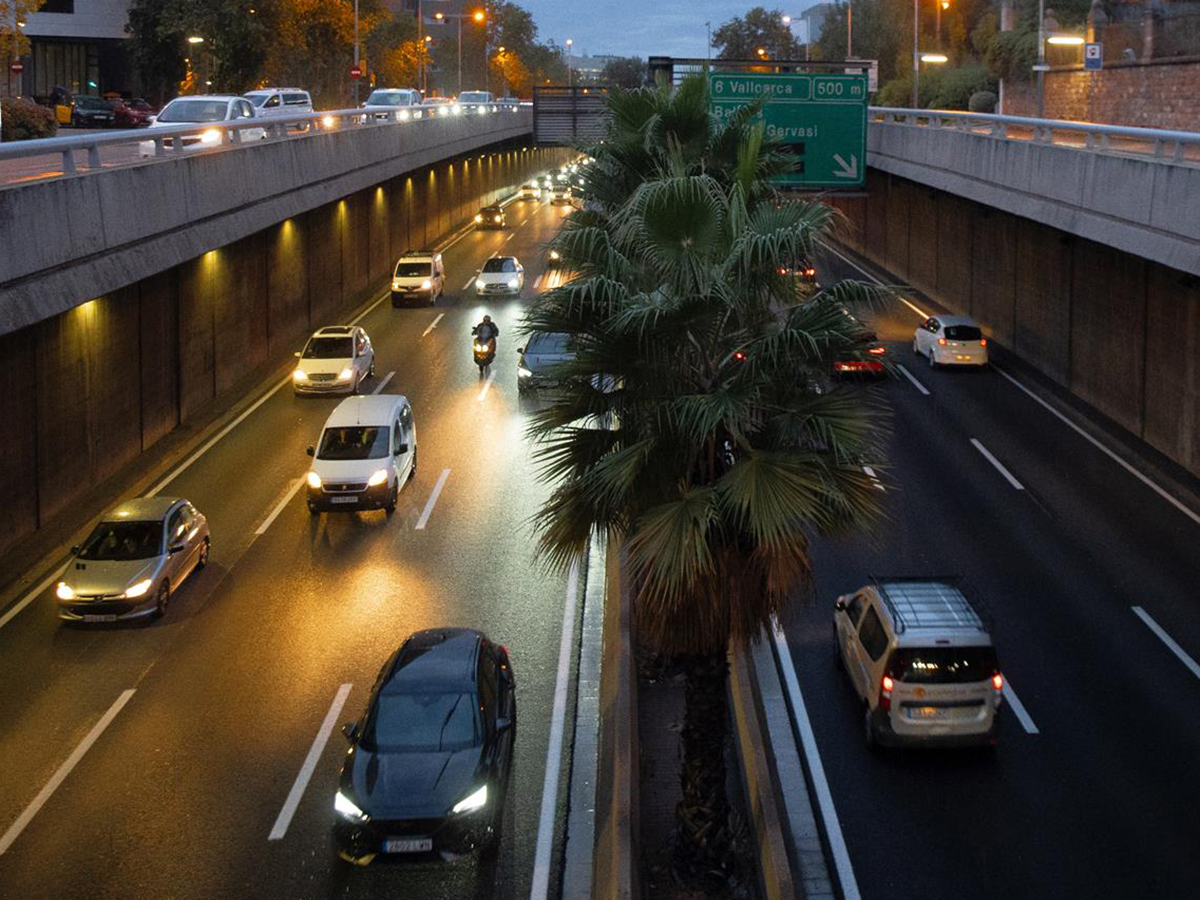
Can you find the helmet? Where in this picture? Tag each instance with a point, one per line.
(487, 319)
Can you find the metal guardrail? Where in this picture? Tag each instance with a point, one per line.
(218, 135)
(1182, 146)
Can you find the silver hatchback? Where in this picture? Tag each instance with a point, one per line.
(133, 560)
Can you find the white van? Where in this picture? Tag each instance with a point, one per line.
(367, 451)
(419, 276)
(921, 659)
(272, 102)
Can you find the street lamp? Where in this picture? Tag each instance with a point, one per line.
(479, 18)
(570, 73)
(1065, 40)
(787, 23)
(918, 58)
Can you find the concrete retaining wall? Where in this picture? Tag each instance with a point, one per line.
(90, 388)
(1119, 331)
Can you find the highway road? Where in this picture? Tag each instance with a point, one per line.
(1092, 578)
(156, 761)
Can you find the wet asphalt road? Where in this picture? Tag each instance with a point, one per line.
(177, 796)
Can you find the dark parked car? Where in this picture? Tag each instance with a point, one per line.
(428, 765)
(92, 112)
(128, 114)
(491, 217)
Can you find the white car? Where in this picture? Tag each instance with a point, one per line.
(440, 106)
(335, 360)
(274, 102)
(500, 275)
(384, 99)
(199, 110)
(531, 191)
(951, 341)
(367, 451)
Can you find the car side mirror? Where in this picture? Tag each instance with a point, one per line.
(350, 730)
(309, 450)
(503, 723)
(75, 550)
(403, 448)
(520, 349)
(840, 605)
(176, 548)
(296, 354)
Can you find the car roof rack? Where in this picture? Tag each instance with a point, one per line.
(932, 601)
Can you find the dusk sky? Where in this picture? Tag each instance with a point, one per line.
(640, 28)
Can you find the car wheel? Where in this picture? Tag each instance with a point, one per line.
(932, 359)
(872, 742)
(357, 382)
(391, 504)
(916, 349)
(203, 560)
(163, 598)
(412, 473)
(312, 508)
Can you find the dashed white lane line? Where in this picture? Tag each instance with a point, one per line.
(874, 478)
(433, 498)
(538, 283)
(386, 378)
(15, 829)
(545, 834)
(1162, 635)
(999, 466)
(1018, 708)
(279, 507)
(486, 385)
(29, 598)
(468, 284)
(909, 375)
(433, 324)
(279, 829)
(808, 741)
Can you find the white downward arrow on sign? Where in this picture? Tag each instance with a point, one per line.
(847, 170)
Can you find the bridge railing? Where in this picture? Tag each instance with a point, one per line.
(175, 141)
(1172, 146)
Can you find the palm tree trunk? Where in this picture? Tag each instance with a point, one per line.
(702, 844)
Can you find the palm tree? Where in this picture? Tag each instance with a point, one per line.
(698, 423)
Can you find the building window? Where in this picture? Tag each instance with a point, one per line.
(58, 6)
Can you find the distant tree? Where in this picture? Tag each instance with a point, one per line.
(741, 38)
(157, 32)
(628, 72)
(13, 42)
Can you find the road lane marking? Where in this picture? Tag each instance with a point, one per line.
(554, 752)
(486, 385)
(920, 312)
(808, 741)
(1018, 708)
(386, 378)
(469, 280)
(287, 498)
(909, 375)
(31, 596)
(538, 283)
(995, 462)
(279, 829)
(1174, 501)
(1162, 635)
(510, 237)
(433, 498)
(14, 830)
(433, 324)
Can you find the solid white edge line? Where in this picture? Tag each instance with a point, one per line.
(31, 596)
(386, 378)
(433, 324)
(909, 375)
(15, 829)
(1162, 635)
(545, 835)
(808, 741)
(920, 312)
(279, 829)
(433, 498)
(287, 498)
(1174, 501)
(995, 462)
(1018, 708)
(486, 385)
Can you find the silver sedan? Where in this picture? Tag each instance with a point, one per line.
(133, 561)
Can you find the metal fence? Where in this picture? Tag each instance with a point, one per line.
(564, 115)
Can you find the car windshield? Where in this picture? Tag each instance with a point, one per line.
(416, 720)
(943, 665)
(963, 333)
(123, 540)
(194, 111)
(473, 97)
(549, 344)
(329, 348)
(388, 98)
(257, 99)
(91, 103)
(354, 442)
(500, 264)
(413, 270)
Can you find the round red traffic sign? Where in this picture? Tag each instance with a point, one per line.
(356, 72)
(17, 68)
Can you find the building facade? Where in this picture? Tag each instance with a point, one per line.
(79, 45)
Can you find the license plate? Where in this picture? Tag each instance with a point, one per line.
(927, 712)
(408, 845)
(110, 617)
(343, 499)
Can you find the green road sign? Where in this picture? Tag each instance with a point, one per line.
(822, 119)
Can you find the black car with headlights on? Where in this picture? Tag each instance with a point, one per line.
(491, 217)
(428, 764)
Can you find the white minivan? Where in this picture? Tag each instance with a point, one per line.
(274, 102)
(367, 451)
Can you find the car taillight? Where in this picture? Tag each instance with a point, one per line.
(983, 342)
(878, 351)
(998, 682)
(942, 341)
(885, 692)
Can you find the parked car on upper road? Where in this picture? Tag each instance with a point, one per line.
(951, 341)
(477, 101)
(271, 102)
(130, 113)
(335, 360)
(201, 109)
(92, 112)
(384, 98)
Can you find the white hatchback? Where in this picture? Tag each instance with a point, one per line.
(200, 110)
(500, 275)
(951, 341)
(335, 360)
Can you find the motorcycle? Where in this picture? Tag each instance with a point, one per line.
(485, 352)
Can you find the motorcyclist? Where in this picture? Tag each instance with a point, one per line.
(487, 330)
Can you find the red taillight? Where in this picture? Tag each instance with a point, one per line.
(983, 342)
(739, 356)
(810, 272)
(942, 341)
(998, 681)
(885, 692)
(878, 351)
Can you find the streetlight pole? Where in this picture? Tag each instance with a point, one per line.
(356, 80)
(420, 50)
(850, 29)
(916, 91)
(460, 18)
(570, 74)
(1041, 59)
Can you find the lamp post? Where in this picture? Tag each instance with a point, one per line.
(477, 16)
(918, 58)
(570, 74)
(787, 23)
(355, 80)
(196, 41)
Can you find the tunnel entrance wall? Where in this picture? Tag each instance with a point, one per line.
(89, 390)
(1118, 331)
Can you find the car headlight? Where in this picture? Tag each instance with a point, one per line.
(299, 375)
(479, 217)
(426, 284)
(346, 374)
(138, 589)
(64, 591)
(314, 481)
(498, 218)
(395, 284)
(513, 283)
(555, 255)
(347, 808)
(477, 800)
(403, 115)
(480, 284)
(523, 372)
(211, 136)
(327, 121)
(378, 477)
